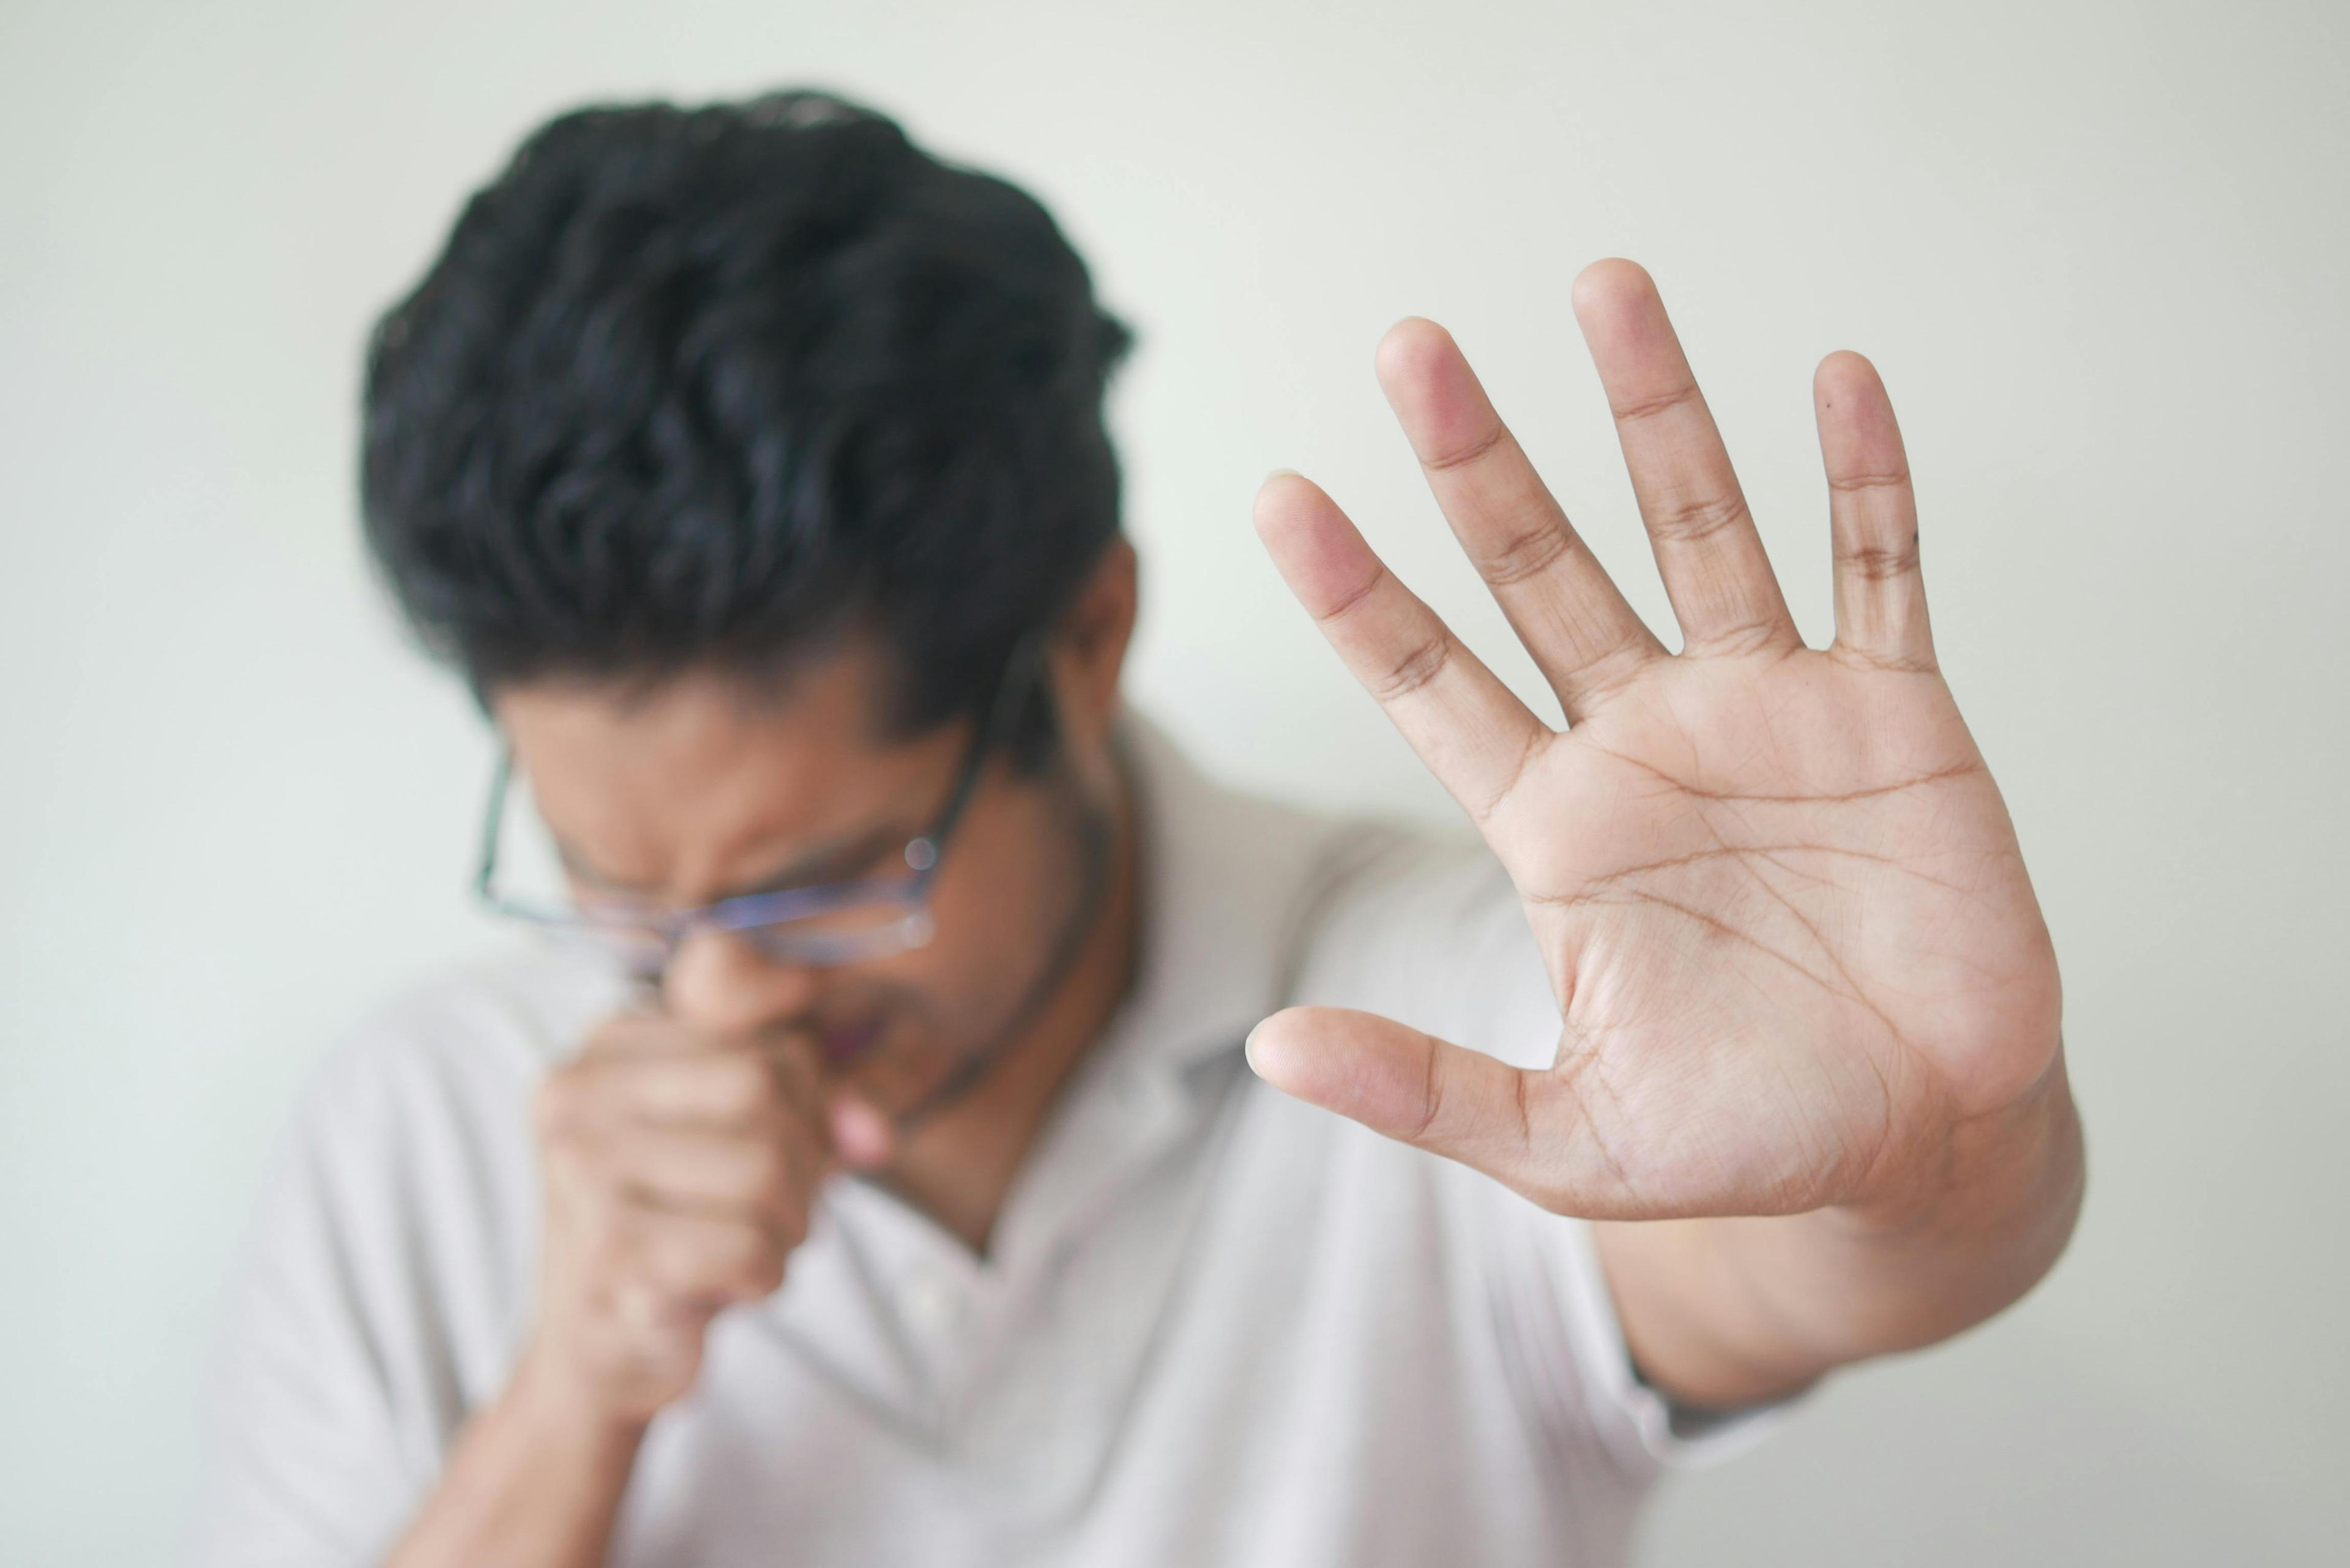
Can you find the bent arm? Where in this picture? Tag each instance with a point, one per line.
(534, 1481)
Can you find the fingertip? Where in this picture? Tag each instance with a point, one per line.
(1608, 280)
(1843, 373)
(1284, 499)
(1318, 551)
(1859, 432)
(1413, 347)
(1266, 1049)
(1293, 1051)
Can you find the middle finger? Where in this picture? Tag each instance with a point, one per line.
(1707, 552)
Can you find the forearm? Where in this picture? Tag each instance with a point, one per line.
(1726, 1311)
(534, 1481)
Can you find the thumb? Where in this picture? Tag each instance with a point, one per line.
(1420, 1090)
(862, 1134)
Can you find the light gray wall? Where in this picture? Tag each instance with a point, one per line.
(2097, 250)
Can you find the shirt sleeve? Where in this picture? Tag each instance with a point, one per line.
(375, 1302)
(1559, 1332)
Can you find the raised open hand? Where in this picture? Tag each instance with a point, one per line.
(1790, 932)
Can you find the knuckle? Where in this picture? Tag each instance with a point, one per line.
(1641, 409)
(568, 1173)
(1740, 639)
(741, 1083)
(1849, 482)
(1355, 597)
(1525, 555)
(1699, 518)
(1878, 563)
(611, 1039)
(667, 1264)
(1432, 1097)
(623, 1263)
(1469, 451)
(1415, 669)
(766, 1168)
(567, 1120)
(1610, 672)
(1882, 663)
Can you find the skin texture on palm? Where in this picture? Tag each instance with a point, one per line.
(1799, 965)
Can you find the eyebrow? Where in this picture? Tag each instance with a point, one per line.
(827, 861)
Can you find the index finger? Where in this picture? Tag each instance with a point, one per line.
(1470, 728)
(669, 1072)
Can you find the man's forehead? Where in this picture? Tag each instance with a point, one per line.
(708, 778)
(827, 705)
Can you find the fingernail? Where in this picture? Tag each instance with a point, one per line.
(1249, 1047)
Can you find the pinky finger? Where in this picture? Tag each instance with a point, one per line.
(1880, 593)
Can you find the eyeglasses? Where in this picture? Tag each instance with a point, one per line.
(834, 923)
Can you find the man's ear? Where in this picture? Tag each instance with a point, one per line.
(1088, 647)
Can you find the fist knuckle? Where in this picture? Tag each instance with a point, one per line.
(628, 1264)
(744, 1085)
(566, 1175)
(767, 1169)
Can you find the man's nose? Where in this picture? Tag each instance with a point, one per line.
(719, 982)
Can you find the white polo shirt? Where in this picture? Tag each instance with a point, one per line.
(1215, 1325)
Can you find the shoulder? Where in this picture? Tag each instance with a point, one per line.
(480, 1034)
(382, 1283)
(400, 1212)
(409, 1156)
(1294, 905)
(1426, 927)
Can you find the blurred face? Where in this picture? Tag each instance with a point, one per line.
(708, 788)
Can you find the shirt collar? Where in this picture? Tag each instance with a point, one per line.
(1224, 876)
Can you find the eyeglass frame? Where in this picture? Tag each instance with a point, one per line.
(756, 915)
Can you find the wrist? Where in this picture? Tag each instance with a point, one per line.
(1789, 1298)
(1983, 1171)
(550, 1396)
(534, 1481)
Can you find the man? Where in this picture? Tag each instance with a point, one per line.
(922, 1148)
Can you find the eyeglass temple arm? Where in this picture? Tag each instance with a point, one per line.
(1020, 670)
(486, 863)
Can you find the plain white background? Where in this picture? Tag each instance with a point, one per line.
(2096, 250)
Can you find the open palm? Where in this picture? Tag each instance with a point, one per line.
(1790, 932)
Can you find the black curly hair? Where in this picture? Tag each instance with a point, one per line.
(707, 387)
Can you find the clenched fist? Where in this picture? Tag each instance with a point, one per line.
(680, 1167)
